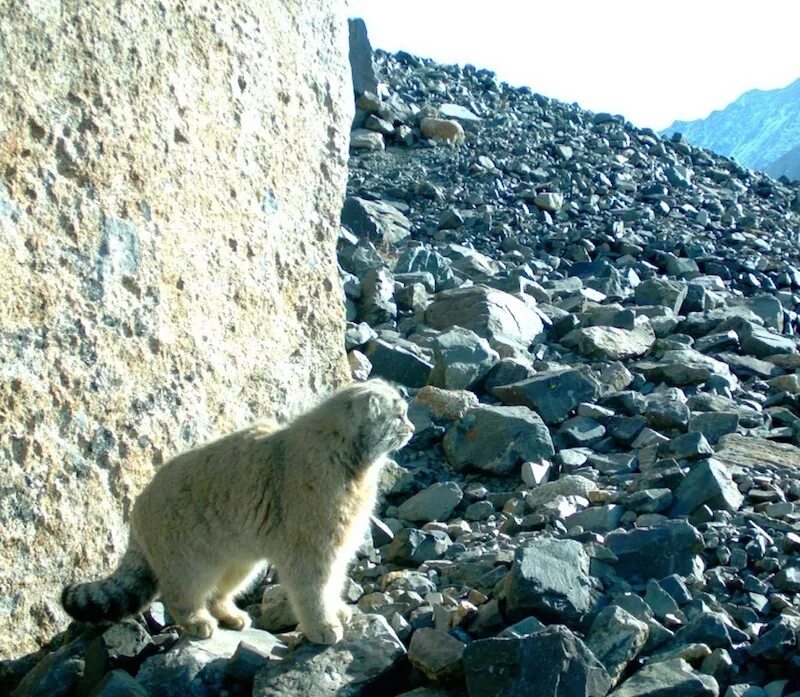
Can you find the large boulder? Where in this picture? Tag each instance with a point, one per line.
(172, 182)
(492, 314)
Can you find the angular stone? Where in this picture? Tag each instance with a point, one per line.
(497, 439)
(673, 678)
(551, 663)
(552, 394)
(436, 654)
(688, 446)
(491, 314)
(461, 358)
(362, 66)
(550, 579)
(411, 547)
(661, 291)
(656, 551)
(569, 485)
(616, 638)
(277, 614)
(708, 482)
(714, 425)
(364, 139)
(610, 342)
(363, 660)
(683, 367)
(377, 304)
(118, 683)
(597, 518)
(459, 113)
(761, 342)
(376, 221)
(424, 260)
(399, 362)
(549, 201)
(434, 503)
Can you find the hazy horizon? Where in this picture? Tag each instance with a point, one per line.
(606, 57)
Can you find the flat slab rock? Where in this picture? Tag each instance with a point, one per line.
(364, 657)
(748, 451)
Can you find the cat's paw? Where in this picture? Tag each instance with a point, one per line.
(344, 613)
(200, 627)
(238, 620)
(324, 634)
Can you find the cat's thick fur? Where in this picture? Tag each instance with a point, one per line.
(299, 496)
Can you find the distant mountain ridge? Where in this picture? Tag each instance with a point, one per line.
(756, 129)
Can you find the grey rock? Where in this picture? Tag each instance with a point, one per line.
(118, 683)
(714, 629)
(57, 673)
(530, 625)
(597, 518)
(411, 547)
(550, 663)
(688, 446)
(123, 645)
(362, 66)
(362, 661)
(656, 551)
(363, 139)
(666, 410)
(377, 303)
(761, 342)
(581, 431)
(196, 666)
(569, 485)
(714, 425)
(436, 654)
(497, 439)
(462, 358)
(491, 314)
(277, 614)
(661, 291)
(459, 113)
(683, 367)
(550, 579)
(550, 201)
(616, 637)
(611, 342)
(649, 500)
(433, 503)
(401, 362)
(424, 260)
(673, 678)
(708, 482)
(375, 220)
(552, 394)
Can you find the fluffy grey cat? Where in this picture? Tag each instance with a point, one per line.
(299, 496)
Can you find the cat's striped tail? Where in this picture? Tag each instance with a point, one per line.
(130, 589)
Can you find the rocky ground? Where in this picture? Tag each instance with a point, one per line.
(596, 332)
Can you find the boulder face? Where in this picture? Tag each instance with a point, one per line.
(172, 182)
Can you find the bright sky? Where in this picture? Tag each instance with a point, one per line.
(654, 62)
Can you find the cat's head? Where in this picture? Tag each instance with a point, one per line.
(377, 417)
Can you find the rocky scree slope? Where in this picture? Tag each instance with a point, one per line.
(596, 332)
(757, 129)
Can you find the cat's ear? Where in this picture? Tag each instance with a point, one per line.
(374, 405)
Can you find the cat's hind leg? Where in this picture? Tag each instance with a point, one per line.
(222, 606)
(185, 600)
